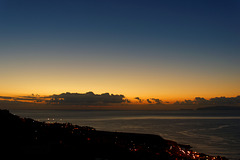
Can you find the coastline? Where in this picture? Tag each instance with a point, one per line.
(33, 137)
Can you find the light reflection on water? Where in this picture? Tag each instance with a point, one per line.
(163, 117)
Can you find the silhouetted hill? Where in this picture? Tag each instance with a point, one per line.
(220, 108)
(25, 136)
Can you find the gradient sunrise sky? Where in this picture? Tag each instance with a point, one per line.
(168, 49)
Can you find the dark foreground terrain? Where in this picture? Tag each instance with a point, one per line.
(25, 136)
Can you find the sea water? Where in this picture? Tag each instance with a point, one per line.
(210, 132)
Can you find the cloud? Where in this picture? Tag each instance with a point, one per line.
(8, 98)
(154, 101)
(28, 99)
(149, 101)
(211, 101)
(199, 100)
(88, 98)
(67, 98)
(157, 101)
(127, 101)
(106, 99)
(224, 100)
(140, 100)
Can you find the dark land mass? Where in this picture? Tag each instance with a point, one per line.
(24, 136)
(220, 108)
(183, 109)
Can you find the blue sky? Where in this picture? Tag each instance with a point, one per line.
(158, 42)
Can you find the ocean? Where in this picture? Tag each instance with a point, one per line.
(210, 132)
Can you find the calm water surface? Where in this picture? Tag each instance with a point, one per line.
(214, 133)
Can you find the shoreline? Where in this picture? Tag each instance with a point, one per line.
(38, 138)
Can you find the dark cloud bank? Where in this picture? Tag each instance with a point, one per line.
(67, 98)
(212, 101)
(88, 98)
(115, 101)
(32, 98)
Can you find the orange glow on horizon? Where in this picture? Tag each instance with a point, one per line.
(133, 100)
(173, 86)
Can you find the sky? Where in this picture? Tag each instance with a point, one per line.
(169, 50)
